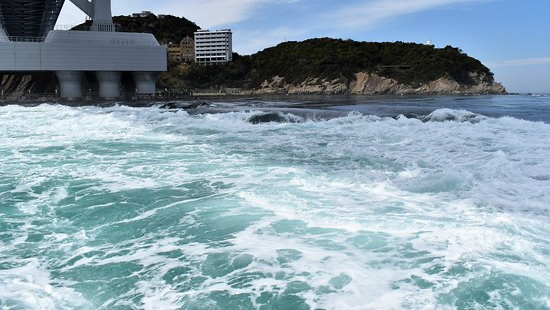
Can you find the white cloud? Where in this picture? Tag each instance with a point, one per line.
(520, 62)
(210, 13)
(226, 13)
(71, 15)
(221, 13)
(370, 13)
(215, 13)
(205, 13)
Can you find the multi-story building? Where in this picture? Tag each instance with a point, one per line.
(174, 52)
(182, 52)
(213, 47)
(187, 47)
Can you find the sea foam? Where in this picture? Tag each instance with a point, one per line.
(146, 208)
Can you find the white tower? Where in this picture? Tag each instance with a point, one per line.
(99, 11)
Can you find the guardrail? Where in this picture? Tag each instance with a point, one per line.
(26, 39)
(115, 41)
(100, 28)
(89, 96)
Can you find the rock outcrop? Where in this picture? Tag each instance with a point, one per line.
(310, 86)
(19, 86)
(366, 83)
(16, 87)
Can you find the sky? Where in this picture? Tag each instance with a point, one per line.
(511, 37)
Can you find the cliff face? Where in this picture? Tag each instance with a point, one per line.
(366, 83)
(18, 86)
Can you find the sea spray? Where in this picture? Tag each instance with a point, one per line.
(104, 208)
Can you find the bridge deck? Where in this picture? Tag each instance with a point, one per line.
(29, 18)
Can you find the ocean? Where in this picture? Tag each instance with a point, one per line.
(282, 203)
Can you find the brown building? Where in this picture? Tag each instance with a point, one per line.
(182, 52)
(187, 49)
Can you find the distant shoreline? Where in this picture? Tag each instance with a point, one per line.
(309, 100)
(315, 107)
(282, 97)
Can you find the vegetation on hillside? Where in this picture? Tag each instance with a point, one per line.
(325, 58)
(166, 29)
(331, 59)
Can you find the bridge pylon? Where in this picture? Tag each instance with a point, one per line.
(27, 44)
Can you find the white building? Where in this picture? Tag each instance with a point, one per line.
(143, 14)
(213, 47)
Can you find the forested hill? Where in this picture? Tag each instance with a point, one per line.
(325, 59)
(406, 64)
(323, 66)
(166, 29)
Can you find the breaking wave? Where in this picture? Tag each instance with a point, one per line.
(104, 208)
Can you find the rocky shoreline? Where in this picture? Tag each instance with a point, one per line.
(373, 84)
(23, 89)
(364, 83)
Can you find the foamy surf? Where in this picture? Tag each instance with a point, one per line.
(118, 207)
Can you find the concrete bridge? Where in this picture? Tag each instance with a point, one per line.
(28, 43)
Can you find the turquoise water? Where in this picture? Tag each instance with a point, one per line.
(140, 208)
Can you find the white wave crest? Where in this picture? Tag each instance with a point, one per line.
(159, 207)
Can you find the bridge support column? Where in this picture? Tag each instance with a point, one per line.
(109, 84)
(145, 82)
(70, 83)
